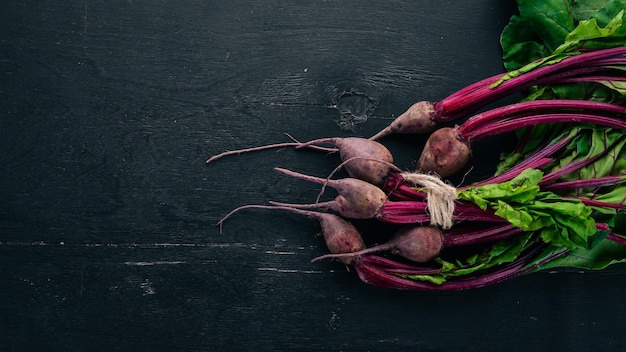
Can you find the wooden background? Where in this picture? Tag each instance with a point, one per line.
(107, 215)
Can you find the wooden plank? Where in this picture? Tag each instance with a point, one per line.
(107, 236)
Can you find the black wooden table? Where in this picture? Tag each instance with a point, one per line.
(107, 216)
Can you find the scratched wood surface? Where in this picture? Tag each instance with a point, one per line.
(107, 220)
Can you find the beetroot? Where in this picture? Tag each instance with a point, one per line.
(500, 239)
(447, 150)
(357, 199)
(419, 118)
(364, 159)
(415, 243)
(444, 153)
(339, 235)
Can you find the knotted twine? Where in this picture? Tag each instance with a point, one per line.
(440, 197)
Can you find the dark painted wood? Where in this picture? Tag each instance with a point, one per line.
(107, 237)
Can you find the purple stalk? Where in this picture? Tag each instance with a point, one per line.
(475, 86)
(373, 275)
(572, 167)
(370, 273)
(423, 116)
(400, 191)
(599, 204)
(464, 237)
(480, 94)
(567, 169)
(403, 212)
(536, 160)
(594, 79)
(489, 118)
(587, 74)
(392, 265)
(617, 238)
(585, 183)
(528, 136)
(514, 171)
(508, 125)
(410, 212)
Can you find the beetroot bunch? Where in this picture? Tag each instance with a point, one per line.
(556, 200)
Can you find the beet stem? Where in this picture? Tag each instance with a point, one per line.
(535, 161)
(584, 183)
(372, 274)
(395, 266)
(503, 232)
(573, 166)
(544, 106)
(600, 204)
(400, 190)
(450, 108)
(513, 124)
(617, 238)
(409, 212)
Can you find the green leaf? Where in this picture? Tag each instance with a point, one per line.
(567, 222)
(601, 10)
(560, 221)
(608, 91)
(552, 20)
(517, 216)
(620, 224)
(563, 222)
(501, 252)
(571, 225)
(588, 142)
(616, 195)
(435, 279)
(598, 257)
(543, 25)
(591, 143)
(546, 32)
(589, 35)
(618, 86)
(521, 189)
(548, 60)
(508, 161)
(521, 44)
(533, 137)
(589, 9)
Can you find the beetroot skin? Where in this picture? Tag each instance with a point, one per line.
(364, 159)
(340, 236)
(416, 243)
(444, 153)
(419, 118)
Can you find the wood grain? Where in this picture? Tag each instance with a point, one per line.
(107, 222)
